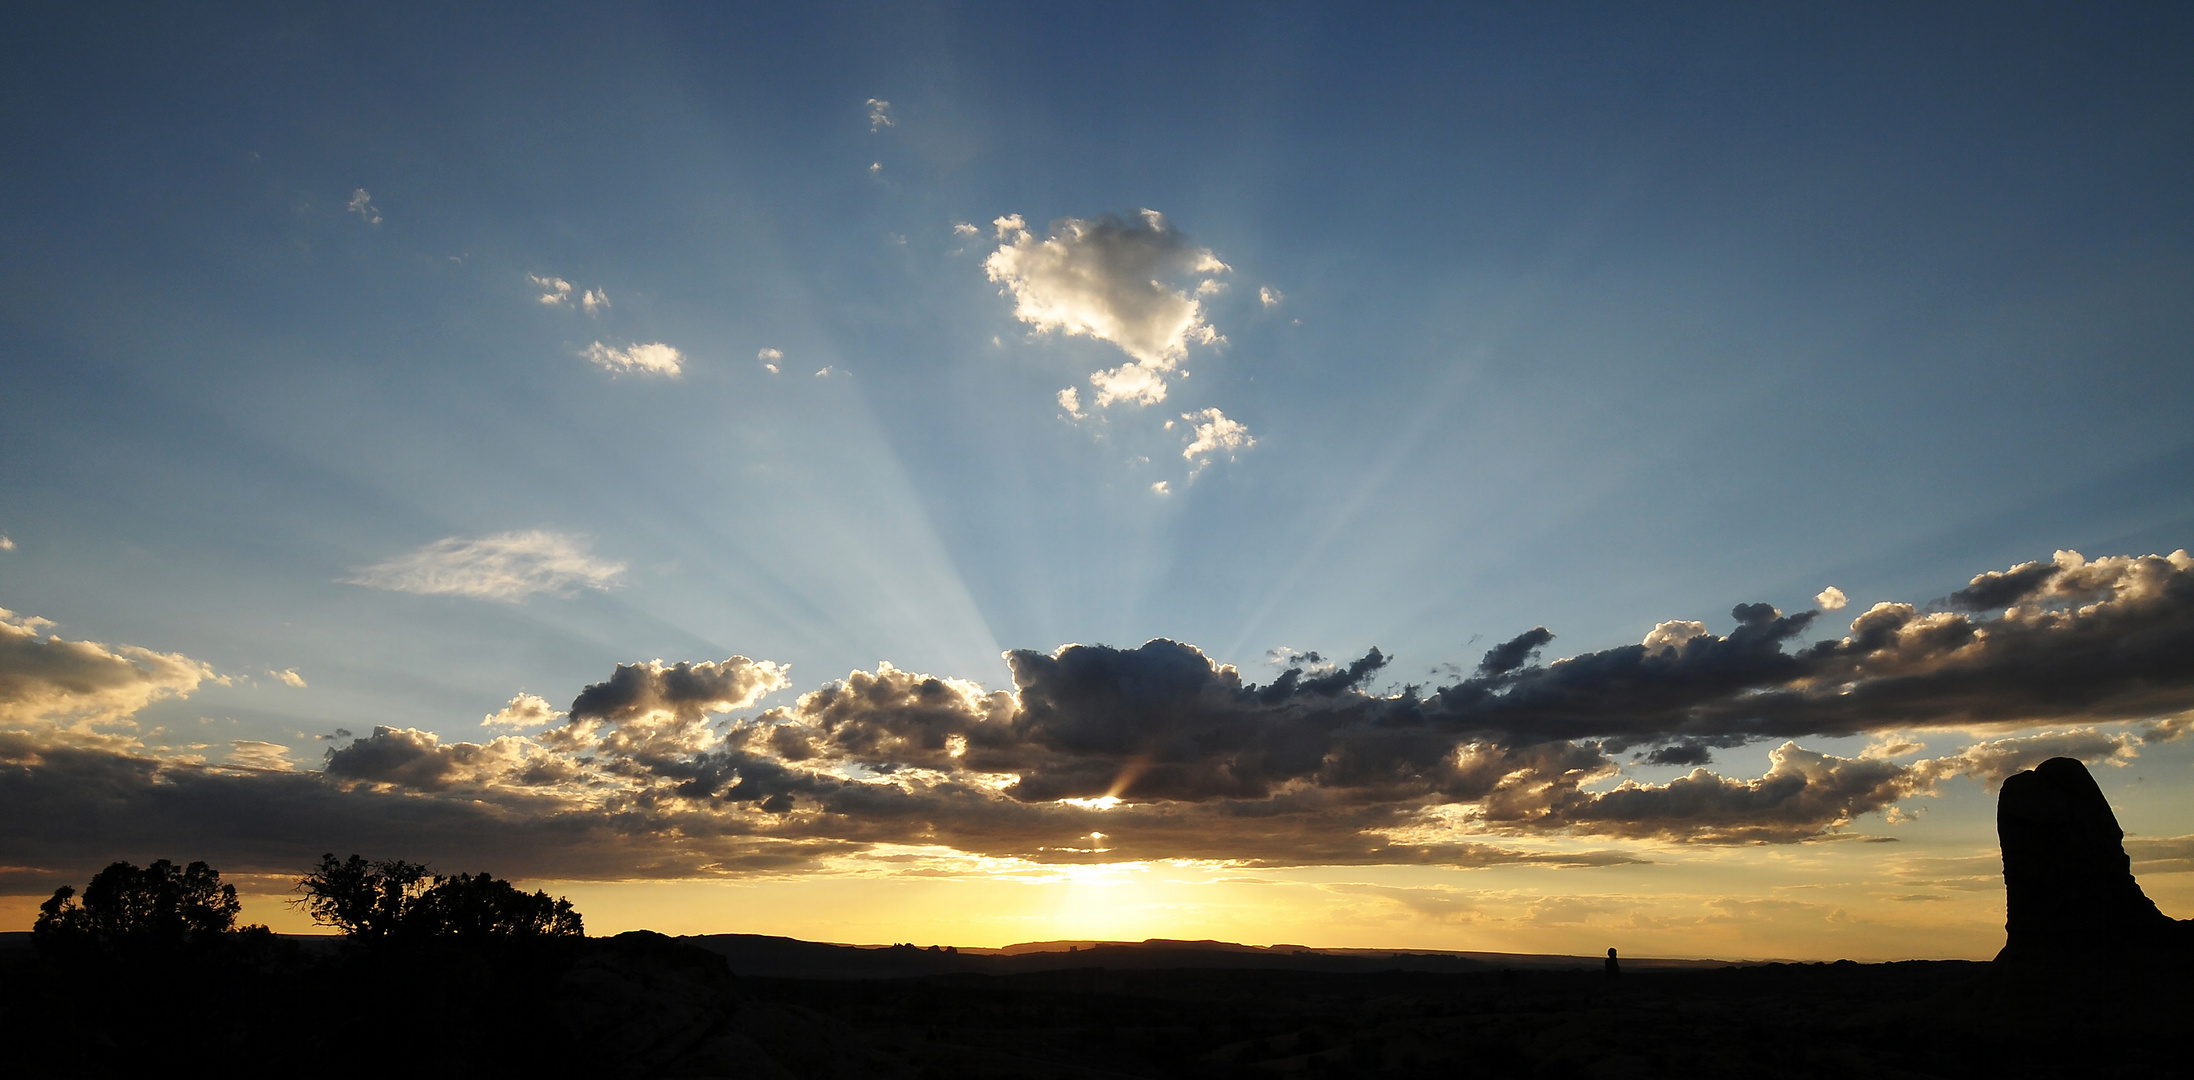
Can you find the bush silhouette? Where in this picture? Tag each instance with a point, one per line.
(395, 901)
(124, 906)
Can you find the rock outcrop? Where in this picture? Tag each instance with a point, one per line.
(2069, 893)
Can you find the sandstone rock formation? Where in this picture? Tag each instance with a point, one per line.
(2069, 893)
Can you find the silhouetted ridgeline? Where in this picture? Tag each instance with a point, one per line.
(2090, 983)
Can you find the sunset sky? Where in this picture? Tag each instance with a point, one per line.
(1518, 478)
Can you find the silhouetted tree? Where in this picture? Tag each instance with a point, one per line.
(390, 899)
(361, 898)
(159, 905)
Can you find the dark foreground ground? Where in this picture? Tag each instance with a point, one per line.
(643, 1005)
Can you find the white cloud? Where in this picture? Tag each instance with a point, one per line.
(524, 710)
(1162, 488)
(506, 566)
(1831, 599)
(1108, 278)
(1132, 383)
(769, 358)
(5, 543)
(288, 677)
(875, 167)
(555, 291)
(77, 684)
(879, 115)
(253, 754)
(655, 358)
(962, 228)
(361, 204)
(1070, 399)
(824, 373)
(1215, 434)
(1672, 635)
(1270, 296)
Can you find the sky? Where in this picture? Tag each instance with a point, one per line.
(1446, 477)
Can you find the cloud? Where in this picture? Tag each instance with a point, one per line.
(1173, 755)
(288, 677)
(506, 566)
(824, 372)
(361, 204)
(1831, 599)
(254, 754)
(1161, 488)
(1269, 296)
(1070, 399)
(56, 686)
(524, 710)
(654, 359)
(1214, 435)
(1108, 278)
(556, 292)
(1991, 762)
(5, 543)
(963, 229)
(769, 358)
(879, 115)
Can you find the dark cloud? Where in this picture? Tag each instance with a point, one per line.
(1511, 654)
(1100, 753)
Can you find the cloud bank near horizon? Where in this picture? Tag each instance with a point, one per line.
(1102, 754)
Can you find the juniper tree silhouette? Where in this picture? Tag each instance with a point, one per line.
(158, 906)
(390, 900)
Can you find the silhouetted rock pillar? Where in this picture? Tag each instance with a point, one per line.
(2069, 893)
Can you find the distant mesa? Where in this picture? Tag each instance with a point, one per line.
(2069, 894)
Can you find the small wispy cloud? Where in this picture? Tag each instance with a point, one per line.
(5, 543)
(1269, 296)
(506, 567)
(1215, 434)
(654, 358)
(769, 358)
(879, 115)
(964, 229)
(524, 710)
(265, 756)
(288, 677)
(1162, 488)
(361, 204)
(556, 292)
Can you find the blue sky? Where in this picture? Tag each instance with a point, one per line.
(1584, 317)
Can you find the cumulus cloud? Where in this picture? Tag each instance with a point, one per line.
(769, 358)
(1111, 279)
(555, 291)
(965, 229)
(288, 677)
(524, 710)
(1269, 296)
(654, 358)
(1214, 435)
(1171, 754)
(5, 543)
(361, 204)
(879, 115)
(1831, 599)
(1161, 488)
(506, 566)
(53, 685)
